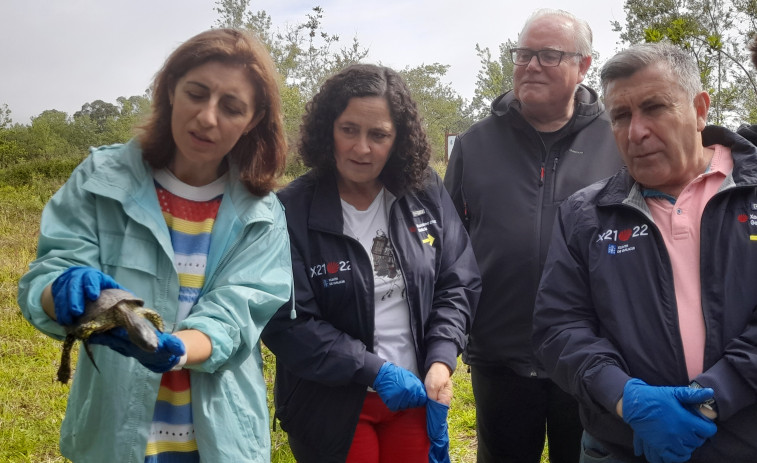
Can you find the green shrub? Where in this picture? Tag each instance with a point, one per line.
(31, 172)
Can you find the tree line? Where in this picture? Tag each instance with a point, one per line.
(714, 31)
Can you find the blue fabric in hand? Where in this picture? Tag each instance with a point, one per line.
(667, 427)
(74, 288)
(166, 356)
(436, 427)
(398, 388)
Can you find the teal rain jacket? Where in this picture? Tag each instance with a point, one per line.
(107, 216)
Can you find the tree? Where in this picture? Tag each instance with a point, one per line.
(48, 133)
(100, 112)
(494, 78)
(233, 13)
(132, 111)
(11, 152)
(442, 109)
(102, 123)
(304, 54)
(5, 116)
(714, 32)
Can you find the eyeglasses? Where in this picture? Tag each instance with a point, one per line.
(546, 57)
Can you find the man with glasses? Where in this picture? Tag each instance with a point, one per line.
(544, 140)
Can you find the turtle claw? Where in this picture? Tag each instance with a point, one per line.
(88, 350)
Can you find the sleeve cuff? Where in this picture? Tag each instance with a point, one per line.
(371, 365)
(732, 393)
(443, 352)
(180, 365)
(605, 385)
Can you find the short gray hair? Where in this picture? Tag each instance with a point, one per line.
(680, 63)
(582, 36)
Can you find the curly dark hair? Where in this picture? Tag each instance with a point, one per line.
(260, 154)
(406, 168)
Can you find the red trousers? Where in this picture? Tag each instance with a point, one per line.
(383, 436)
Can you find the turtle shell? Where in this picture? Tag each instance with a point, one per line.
(107, 300)
(114, 307)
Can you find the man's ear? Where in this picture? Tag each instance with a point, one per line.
(583, 67)
(702, 106)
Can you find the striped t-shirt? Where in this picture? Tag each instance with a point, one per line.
(189, 213)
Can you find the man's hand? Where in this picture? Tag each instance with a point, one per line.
(438, 383)
(667, 428)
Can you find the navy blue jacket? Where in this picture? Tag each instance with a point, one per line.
(502, 178)
(749, 132)
(324, 356)
(606, 308)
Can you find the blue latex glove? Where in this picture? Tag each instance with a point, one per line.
(399, 388)
(75, 287)
(667, 428)
(436, 427)
(166, 356)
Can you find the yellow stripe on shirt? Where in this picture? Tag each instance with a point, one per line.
(163, 446)
(174, 398)
(188, 227)
(191, 281)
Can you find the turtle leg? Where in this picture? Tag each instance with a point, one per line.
(153, 316)
(64, 371)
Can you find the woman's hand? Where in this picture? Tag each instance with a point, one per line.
(71, 290)
(439, 383)
(399, 388)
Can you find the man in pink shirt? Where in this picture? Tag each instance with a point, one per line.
(646, 308)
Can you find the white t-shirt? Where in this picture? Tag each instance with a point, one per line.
(393, 340)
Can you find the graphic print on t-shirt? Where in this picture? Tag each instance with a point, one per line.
(384, 265)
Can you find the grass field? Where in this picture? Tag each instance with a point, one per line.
(32, 403)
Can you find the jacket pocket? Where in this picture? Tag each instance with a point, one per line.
(128, 252)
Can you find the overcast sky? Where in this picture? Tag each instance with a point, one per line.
(60, 54)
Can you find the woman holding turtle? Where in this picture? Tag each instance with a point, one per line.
(183, 216)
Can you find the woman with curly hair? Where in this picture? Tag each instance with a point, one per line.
(385, 279)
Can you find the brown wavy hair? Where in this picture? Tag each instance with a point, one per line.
(260, 154)
(406, 168)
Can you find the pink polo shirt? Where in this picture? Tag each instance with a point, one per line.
(679, 225)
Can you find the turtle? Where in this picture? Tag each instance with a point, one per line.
(114, 308)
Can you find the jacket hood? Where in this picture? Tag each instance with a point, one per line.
(127, 177)
(744, 164)
(586, 101)
(749, 132)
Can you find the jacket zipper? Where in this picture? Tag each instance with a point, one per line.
(398, 262)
